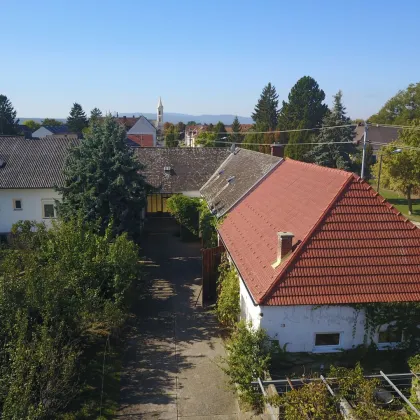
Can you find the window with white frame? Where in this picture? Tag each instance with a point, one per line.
(17, 204)
(48, 209)
(327, 341)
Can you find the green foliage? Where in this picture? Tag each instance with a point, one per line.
(8, 121)
(401, 109)
(401, 171)
(103, 181)
(305, 109)
(180, 127)
(185, 210)
(60, 290)
(95, 115)
(32, 125)
(296, 150)
(236, 128)
(248, 358)
(311, 401)
(220, 131)
(228, 305)
(171, 135)
(208, 224)
(51, 122)
(192, 123)
(266, 112)
(331, 153)
(77, 119)
(206, 139)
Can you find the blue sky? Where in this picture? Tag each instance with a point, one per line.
(205, 56)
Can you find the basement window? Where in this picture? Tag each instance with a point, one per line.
(17, 204)
(325, 342)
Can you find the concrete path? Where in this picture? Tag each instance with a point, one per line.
(171, 365)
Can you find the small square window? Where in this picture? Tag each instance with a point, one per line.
(17, 204)
(328, 339)
(49, 211)
(390, 335)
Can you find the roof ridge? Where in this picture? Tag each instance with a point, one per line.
(298, 250)
(324, 168)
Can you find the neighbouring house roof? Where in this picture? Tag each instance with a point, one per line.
(142, 140)
(33, 163)
(59, 129)
(142, 126)
(127, 122)
(235, 177)
(178, 169)
(350, 245)
(377, 136)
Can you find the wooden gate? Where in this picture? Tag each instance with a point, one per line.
(211, 261)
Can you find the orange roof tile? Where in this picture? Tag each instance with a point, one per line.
(143, 140)
(350, 245)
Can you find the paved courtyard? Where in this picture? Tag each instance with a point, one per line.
(171, 368)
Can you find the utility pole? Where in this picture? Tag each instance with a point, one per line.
(362, 174)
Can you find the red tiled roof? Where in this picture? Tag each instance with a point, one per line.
(143, 140)
(350, 245)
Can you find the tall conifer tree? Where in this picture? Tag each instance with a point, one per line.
(8, 121)
(77, 120)
(265, 112)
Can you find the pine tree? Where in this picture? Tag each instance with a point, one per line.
(331, 153)
(265, 112)
(103, 181)
(77, 120)
(8, 121)
(294, 148)
(304, 110)
(95, 114)
(220, 131)
(236, 128)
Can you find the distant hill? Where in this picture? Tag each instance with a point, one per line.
(174, 117)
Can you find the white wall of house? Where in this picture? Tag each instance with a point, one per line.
(298, 325)
(32, 206)
(41, 132)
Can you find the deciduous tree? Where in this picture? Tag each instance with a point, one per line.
(337, 149)
(77, 120)
(103, 181)
(206, 139)
(402, 108)
(32, 125)
(401, 171)
(220, 131)
(8, 121)
(51, 122)
(171, 135)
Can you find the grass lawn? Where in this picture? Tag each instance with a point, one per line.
(400, 202)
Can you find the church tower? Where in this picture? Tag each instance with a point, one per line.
(159, 119)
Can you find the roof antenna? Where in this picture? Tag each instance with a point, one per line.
(232, 148)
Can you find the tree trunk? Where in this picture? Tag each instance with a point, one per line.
(409, 202)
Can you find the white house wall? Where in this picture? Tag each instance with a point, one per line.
(31, 206)
(41, 132)
(297, 325)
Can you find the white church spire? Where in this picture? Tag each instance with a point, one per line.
(159, 118)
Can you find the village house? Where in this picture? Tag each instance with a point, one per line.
(29, 171)
(45, 131)
(308, 244)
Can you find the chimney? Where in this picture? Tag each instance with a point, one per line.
(277, 150)
(284, 246)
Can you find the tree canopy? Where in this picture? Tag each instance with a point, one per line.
(8, 121)
(221, 134)
(206, 139)
(401, 165)
(401, 109)
(95, 114)
(103, 180)
(32, 125)
(171, 135)
(337, 149)
(51, 122)
(265, 111)
(77, 119)
(304, 109)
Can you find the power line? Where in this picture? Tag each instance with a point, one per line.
(280, 144)
(404, 127)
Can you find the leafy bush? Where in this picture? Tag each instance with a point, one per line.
(185, 211)
(311, 401)
(208, 225)
(60, 290)
(248, 358)
(228, 304)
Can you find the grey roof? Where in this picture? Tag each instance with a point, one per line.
(58, 129)
(33, 163)
(190, 167)
(235, 177)
(142, 126)
(377, 135)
